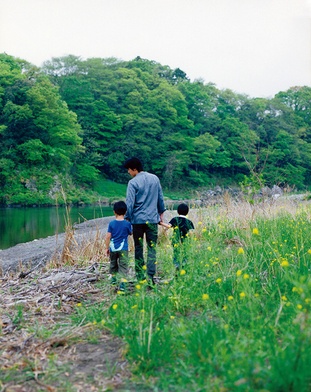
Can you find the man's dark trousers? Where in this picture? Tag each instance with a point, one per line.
(150, 231)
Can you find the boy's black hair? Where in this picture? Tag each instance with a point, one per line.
(120, 208)
(133, 163)
(183, 209)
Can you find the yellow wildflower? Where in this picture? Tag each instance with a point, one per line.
(255, 231)
(225, 307)
(182, 272)
(138, 286)
(242, 294)
(297, 290)
(209, 248)
(299, 306)
(114, 306)
(238, 273)
(205, 297)
(144, 267)
(245, 276)
(134, 306)
(309, 251)
(218, 280)
(230, 298)
(240, 251)
(172, 317)
(79, 304)
(284, 263)
(284, 298)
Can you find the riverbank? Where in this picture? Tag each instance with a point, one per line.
(39, 251)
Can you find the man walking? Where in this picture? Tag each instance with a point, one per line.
(145, 208)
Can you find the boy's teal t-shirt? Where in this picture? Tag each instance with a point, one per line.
(120, 230)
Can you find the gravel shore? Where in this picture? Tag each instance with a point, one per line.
(42, 250)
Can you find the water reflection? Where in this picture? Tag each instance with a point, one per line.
(19, 225)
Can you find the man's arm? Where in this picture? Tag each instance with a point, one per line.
(161, 205)
(130, 201)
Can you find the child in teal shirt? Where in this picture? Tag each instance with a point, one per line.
(117, 243)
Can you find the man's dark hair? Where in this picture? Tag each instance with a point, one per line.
(133, 163)
(182, 209)
(120, 208)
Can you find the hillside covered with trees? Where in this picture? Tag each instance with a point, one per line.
(73, 121)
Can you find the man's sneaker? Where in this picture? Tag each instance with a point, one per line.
(113, 280)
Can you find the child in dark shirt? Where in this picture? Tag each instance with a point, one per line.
(117, 243)
(181, 225)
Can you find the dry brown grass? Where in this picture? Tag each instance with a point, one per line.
(243, 213)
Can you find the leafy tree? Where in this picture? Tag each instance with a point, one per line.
(204, 151)
(299, 100)
(237, 146)
(37, 131)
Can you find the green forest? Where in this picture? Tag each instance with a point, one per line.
(72, 122)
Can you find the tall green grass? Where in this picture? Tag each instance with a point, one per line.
(237, 318)
(110, 189)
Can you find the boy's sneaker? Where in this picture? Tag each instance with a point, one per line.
(113, 280)
(122, 286)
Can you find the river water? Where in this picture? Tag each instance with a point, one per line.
(19, 225)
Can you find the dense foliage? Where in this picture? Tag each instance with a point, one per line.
(64, 124)
(41, 139)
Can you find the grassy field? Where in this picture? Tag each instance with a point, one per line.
(110, 189)
(237, 317)
(113, 191)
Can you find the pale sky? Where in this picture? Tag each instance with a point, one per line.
(254, 47)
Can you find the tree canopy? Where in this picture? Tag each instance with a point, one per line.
(76, 119)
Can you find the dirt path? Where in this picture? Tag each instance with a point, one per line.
(59, 355)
